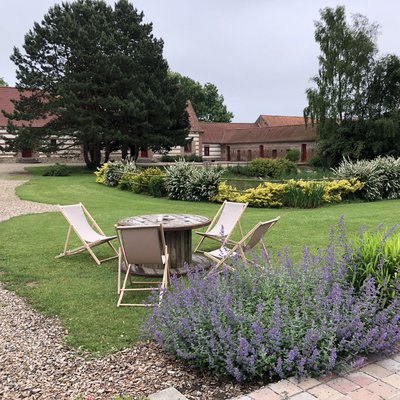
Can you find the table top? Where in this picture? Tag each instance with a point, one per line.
(170, 222)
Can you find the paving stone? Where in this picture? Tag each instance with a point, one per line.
(327, 377)
(265, 394)
(363, 394)
(303, 396)
(285, 387)
(376, 371)
(361, 378)
(391, 365)
(306, 383)
(383, 389)
(393, 380)
(325, 392)
(396, 357)
(167, 394)
(343, 385)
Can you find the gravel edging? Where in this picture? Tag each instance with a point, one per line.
(36, 363)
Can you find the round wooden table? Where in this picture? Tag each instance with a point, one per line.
(178, 237)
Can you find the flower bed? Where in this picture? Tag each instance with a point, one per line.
(277, 319)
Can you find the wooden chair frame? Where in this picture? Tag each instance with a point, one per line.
(240, 247)
(87, 246)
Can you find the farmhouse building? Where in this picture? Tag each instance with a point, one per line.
(269, 136)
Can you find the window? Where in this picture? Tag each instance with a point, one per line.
(261, 151)
(206, 150)
(249, 156)
(228, 153)
(274, 153)
(238, 155)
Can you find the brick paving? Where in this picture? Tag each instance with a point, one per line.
(377, 380)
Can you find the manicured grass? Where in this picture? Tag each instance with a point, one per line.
(83, 294)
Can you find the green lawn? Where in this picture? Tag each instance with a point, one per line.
(83, 295)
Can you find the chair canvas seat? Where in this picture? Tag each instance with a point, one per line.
(140, 245)
(224, 223)
(78, 218)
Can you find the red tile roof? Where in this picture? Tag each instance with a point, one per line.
(11, 93)
(193, 120)
(279, 120)
(272, 134)
(213, 130)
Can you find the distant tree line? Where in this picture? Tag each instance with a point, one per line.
(355, 102)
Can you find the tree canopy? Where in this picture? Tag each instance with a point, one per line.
(98, 74)
(3, 82)
(355, 100)
(207, 102)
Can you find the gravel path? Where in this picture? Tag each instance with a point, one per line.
(35, 362)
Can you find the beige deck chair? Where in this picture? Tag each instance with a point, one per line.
(224, 222)
(141, 245)
(78, 218)
(249, 241)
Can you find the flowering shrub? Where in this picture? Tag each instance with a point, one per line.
(293, 193)
(101, 173)
(276, 320)
(266, 195)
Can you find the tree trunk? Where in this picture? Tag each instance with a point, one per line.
(124, 151)
(92, 155)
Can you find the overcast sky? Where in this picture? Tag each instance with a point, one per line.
(260, 54)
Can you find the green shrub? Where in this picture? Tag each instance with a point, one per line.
(56, 170)
(185, 181)
(376, 254)
(273, 168)
(139, 181)
(293, 155)
(126, 181)
(167, 158)
(188, 157)
(240, 170)
(157, 186)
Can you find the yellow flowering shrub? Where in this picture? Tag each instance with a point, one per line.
(226, 192)
(292, 193)
(266, 195)
(335, 191)
(101, 173)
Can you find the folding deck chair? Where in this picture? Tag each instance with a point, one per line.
(141, 245)
(224, 222)
(248, 242)
(78, 218)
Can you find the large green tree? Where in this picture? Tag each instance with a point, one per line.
(207, 102)
(3, 82)
(98, 74)
(355, 99)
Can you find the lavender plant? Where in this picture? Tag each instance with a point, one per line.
(276, 319)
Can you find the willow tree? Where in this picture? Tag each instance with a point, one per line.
(98, 75)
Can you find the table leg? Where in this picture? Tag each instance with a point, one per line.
(179, 247)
